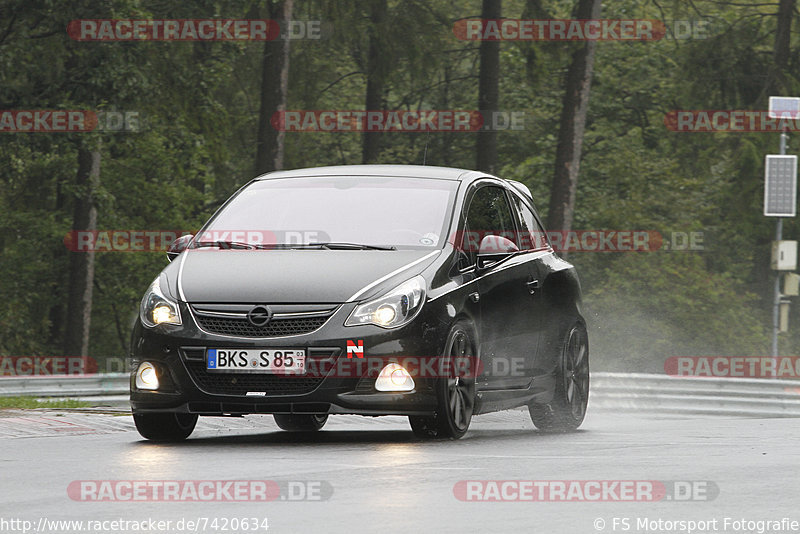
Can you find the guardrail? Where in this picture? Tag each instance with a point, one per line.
(621, 392)
(65, 386)
(636, 392)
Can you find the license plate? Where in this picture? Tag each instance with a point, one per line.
(270, 361)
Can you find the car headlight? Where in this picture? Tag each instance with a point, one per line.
(395, 308)
(157, 309)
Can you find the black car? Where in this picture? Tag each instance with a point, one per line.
(427, 292)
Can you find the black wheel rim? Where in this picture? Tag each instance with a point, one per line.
(576, 373)
(460, 389)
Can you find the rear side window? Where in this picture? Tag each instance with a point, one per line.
(532, 235)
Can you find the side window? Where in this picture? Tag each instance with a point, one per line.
(532, 235)
(488, 214)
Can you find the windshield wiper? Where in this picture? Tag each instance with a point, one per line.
(226, 245)
(331, 245)
(282, 246)
(354, 246)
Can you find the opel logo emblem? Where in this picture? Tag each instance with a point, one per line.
(259, 315)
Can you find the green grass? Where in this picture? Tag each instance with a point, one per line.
(32, 402)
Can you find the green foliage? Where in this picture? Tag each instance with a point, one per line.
(27, 403)
(198, 105)
(669, 304)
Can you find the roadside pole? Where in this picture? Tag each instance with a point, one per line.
(780, 200)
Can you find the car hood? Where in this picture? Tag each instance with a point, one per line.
(291, 276)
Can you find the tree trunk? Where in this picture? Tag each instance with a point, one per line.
(274, 88)
(376, 75)
(447, 137)
(571, 128)
(782, 50)
(59, 280)
(488, 92)
(532, 49)
(81, 264)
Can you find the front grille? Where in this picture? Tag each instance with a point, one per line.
(276, 327)
(218, 383)
(241, 383)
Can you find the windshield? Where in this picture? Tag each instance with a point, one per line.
(365, 210)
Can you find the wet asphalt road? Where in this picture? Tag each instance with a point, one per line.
(373, 475)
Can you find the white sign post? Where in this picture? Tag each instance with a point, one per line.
(780, 193)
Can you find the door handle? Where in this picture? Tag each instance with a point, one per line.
(475, 297)
(533, 285)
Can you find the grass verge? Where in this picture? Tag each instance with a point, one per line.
(33, 402)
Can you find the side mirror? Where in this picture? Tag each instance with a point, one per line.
(494, 248)
(178, 246)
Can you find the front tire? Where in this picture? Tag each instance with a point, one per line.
(567, 410)
(296, 422)
(456, 395)
(165, 427)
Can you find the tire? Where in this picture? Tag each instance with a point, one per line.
(165, 427)
(567, 410)
(455, 396)
(295, 422)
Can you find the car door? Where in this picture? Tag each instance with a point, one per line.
(501, 291)
(536, 249)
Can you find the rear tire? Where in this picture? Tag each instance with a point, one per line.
(567, 410)
(165, 427)
(455, 395)
(295, 422)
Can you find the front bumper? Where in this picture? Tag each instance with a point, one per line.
(333, 384)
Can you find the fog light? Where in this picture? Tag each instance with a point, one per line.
(146, 376)
(394, 377)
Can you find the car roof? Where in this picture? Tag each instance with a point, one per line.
(521, 188)
(411, 171)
